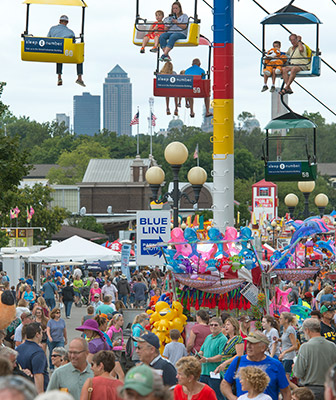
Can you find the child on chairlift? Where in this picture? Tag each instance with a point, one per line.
(154, 33)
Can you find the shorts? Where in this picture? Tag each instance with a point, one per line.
(152, 35)
(287, 364)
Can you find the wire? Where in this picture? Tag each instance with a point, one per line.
(260, 51)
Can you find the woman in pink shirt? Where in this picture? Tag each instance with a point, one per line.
(95, 289)
(198, 332)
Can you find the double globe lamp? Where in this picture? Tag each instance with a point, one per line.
(176, 154)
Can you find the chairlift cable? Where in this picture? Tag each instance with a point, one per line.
(325, 62)
(256, 47)
(207, 4)
(324, 105)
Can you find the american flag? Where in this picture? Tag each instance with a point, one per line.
(153, 119)
(196, 152)
(135, 120)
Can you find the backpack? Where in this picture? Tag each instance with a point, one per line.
(129, 348)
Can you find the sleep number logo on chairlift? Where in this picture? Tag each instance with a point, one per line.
(174, 81)
(43, 45)
(278, 167)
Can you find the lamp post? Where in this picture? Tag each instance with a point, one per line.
(291, 201)
(321, 202)
(176, 155)
(306, 188)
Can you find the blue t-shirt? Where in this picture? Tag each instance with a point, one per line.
(32, 357)
(56, 329)
(195, 70)
(139, 289)
(271, 366)
(60, 31)
(49, 289)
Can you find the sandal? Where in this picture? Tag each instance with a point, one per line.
(168, 111)
(176, 113)
(285, 91)
(208, 115)
(59, 82)
(192, 115)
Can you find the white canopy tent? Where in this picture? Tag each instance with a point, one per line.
(74, 249)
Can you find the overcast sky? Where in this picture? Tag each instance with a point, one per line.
(31, 87)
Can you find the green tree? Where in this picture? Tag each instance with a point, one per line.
(246, 166)
(73, 164)
(48, 218)
(88, 223)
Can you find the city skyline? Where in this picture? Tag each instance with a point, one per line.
(86, 114)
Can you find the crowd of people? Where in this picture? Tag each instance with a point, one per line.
(218, 358)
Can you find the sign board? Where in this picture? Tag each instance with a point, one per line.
(125, 255)
(43, 45)
(174, 81)
(152, 227)
(250, 292)
(290, 171)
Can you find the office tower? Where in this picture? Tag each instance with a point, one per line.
(118, 102)
(63, 118)
(86, 114)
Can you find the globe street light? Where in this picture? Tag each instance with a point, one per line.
(176, 155)
(306, 188)
(321, 202)
(291, 201)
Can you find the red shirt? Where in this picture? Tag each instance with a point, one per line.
(206, 393)
(201, 332)
(105, 388)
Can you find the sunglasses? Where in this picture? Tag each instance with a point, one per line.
(56, 355)
(213, 324)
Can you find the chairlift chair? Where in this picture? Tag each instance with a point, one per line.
(291, 15)
(142, 27)
(184, 85)
(55, 50)
(292, 170)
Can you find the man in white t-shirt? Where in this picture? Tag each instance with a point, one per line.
(298, 61)
(110, 290)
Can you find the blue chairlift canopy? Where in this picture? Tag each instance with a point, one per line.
(290, 15)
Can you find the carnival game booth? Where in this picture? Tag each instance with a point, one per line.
(223, 272)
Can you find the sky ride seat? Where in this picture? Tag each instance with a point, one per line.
(278, 170)
(197, 86)
(50, 49)
(291, 15)
(55, 50)
(181, 86)
(142, 28)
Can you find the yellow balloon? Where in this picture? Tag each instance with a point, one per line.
(178, 307)
(178, 324)
(167, 313)
(161, 305)
(155, 317)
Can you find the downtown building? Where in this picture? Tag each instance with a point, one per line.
(117, 102)
(86, 111)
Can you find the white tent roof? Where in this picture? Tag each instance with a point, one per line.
(74, 249)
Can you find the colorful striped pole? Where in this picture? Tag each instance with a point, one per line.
(223, 123)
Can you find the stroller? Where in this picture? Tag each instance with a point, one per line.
(84, 298)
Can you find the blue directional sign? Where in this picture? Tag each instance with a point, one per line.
(152, 227)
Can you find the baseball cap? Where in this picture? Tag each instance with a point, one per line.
(150, 338)
(21, 279)
(143, 380)
(308, 295)
(257, 337)
(64, 18)
(326, 308)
